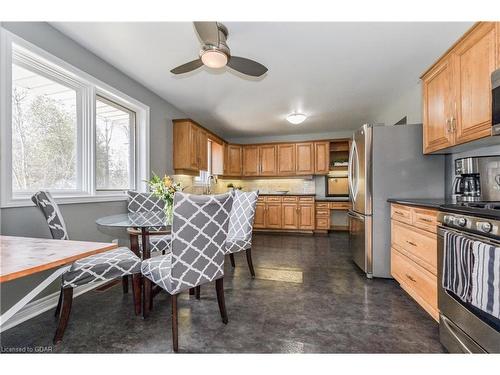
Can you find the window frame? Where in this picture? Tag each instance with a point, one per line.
(89, 87)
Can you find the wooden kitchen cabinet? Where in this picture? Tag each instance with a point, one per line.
(306, 214)
(304, 162)
(232, 160)
(437, 102)
(321, 157)
(457, 90)
(473, 62)
(273, 215)
(190, 152)
(268, 158)
(414, 253)
(290, 215)
(250, 161)
(286, 159)
(260, 215)
(217, 156)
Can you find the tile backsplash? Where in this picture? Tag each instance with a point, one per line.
(264, 185)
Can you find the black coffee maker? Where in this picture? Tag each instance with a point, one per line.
(467, 184)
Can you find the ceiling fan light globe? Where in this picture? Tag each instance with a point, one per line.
(214, 59)
(296, 118)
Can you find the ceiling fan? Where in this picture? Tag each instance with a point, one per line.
(216, 54)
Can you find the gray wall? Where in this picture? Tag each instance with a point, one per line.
(450, 162)
(80, 218)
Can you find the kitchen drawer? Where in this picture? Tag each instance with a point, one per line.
(425, 219)
(419, 245)
(290, 199)
(306, 199)
(323, 205)
(418, 282)
(273, 199)
(340, 205)
(322, 212)
(261, 199)
(322, 223)
(401, 213)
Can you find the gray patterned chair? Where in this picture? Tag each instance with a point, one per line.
(199, 232)
(147, 202)
(241, 225)
(106, 266)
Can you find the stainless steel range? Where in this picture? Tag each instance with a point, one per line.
(463, 327)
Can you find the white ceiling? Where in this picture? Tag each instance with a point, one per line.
(339, 74)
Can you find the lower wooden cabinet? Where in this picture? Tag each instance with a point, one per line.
(414, 254)
(285, 213)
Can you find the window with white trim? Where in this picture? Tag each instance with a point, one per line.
(65, 131)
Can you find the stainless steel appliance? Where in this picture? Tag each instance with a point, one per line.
(463, 328)
(385, 162)
(495, 102)
(336, 186)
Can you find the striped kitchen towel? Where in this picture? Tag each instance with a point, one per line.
(485, 293)
(457, 265)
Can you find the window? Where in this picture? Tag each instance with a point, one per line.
(115, 130)
(66, 131)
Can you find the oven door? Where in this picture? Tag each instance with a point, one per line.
(462, 327)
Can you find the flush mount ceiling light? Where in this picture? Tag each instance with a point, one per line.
(214, 59)
(296, 118)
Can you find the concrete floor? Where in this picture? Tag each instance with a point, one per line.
(307, 297)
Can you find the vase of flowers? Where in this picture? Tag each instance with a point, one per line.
(164, 189)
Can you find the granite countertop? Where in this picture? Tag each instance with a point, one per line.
(331, 199)
(420, 202)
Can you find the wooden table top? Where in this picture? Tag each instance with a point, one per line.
(23, 256)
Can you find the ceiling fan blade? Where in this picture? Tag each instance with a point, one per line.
(247, 66)
(187, 67)
(208, 32)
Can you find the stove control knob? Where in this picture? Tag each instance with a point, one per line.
(461, 221)
(484, 226)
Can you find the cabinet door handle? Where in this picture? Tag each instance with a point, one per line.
(411, 243)
(410, 278)
(448, 125)
(426, 220)
(399, 213)
(453, 124)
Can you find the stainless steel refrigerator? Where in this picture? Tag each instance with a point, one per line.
(386, 162)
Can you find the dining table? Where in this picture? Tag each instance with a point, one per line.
(25, 256)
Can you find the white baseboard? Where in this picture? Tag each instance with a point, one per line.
(43, 304)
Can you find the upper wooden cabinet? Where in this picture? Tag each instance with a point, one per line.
(304, 164)
(457, 90)
(286, 159)
(232, 160)
(190, 147)
(438, 97)
(251, 165)
(474, 61)
(321, 157)
(218, 156)
(268, 158)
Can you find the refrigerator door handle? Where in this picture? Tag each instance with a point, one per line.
(353, 180)
(355, 215)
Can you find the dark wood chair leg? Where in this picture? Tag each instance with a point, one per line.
(197, 291)
(146, 296)
(249, 261)
(231, 257)
(219, 287)
(175, 331)
(125, 284)
(64, 318)
(136, 290)
(191, 291)
(59, 302)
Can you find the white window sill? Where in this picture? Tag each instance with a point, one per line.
(68, 200)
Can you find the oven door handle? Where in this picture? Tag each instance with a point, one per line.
(472, 237)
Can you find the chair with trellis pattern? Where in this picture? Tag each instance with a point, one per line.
(120, 262)
(199, 232)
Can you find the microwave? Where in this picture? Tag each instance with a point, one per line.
(495, 102)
